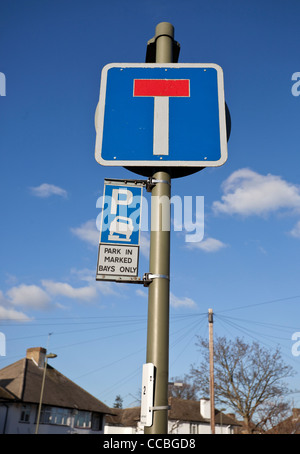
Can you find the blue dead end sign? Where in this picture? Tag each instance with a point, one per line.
(161, 116)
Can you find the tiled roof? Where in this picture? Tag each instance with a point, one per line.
(182, 410)
(125, 417)
(189, 410)
(5, 395)
(23, 380)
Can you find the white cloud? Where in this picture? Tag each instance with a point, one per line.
(247, 193)
(181, 302)
(208, 245)
(39, 298)
(29, 296)
(87, 232)
(64, 289)
(8, 313)
(46, 190)
(12, 314)
(295, 232)
(88, 275)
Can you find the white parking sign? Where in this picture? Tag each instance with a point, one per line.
(120, 231)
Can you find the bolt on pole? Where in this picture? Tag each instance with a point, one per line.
(159, 289)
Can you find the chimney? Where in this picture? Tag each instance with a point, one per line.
(205, 408)
(37, 354)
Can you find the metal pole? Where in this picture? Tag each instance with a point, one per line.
(158, 297)
(41, 397)
(211, 371)
(50, 355)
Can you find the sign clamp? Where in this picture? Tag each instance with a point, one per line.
(148, 278)
(161, 407)
(149, 183)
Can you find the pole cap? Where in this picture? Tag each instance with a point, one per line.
(162, 29)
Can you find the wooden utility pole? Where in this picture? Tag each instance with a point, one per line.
(211, 371)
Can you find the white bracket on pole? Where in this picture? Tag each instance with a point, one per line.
(161, 407)
(148, 278)
(151, 182)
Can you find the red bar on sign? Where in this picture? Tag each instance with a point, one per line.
(161, 87)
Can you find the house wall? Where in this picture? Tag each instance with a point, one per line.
(15, 426)
(194, 428)
(119, 430)
(3, 417)
(10, 415)
(174, 427)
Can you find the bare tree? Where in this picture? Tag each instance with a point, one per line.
(183, 388)
(247, 378)
(290, 425)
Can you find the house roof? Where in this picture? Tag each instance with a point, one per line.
(126, 417)
(291, 425)
(22, 380)
(183, 410)
(5, 395)
(189, 410)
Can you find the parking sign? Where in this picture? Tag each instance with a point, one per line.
(120, 231)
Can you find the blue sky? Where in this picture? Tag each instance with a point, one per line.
(247, 266)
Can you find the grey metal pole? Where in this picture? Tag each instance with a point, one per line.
(158, 297)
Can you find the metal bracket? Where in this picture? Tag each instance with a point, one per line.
(127, 180)
(148, 278)
(162, 407)
(151, 182)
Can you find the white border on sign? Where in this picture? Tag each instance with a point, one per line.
(99, 118)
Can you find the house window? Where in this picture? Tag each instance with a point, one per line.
(83, 419)
(25, 413)
(56, 415)
(97, 421)
(193, 429)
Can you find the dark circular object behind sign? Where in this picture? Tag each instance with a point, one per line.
(177, 172)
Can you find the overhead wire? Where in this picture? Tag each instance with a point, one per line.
(191, 329)
(185, 333)
(258, 336)
(278, 300)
